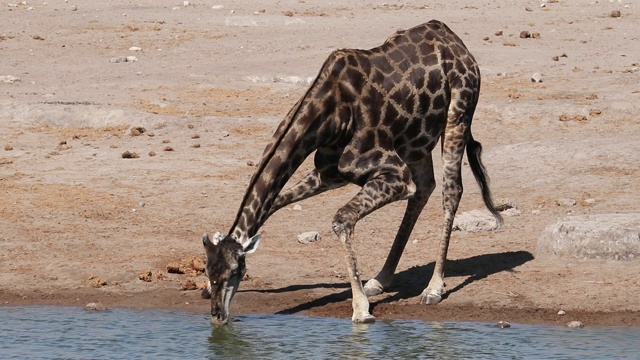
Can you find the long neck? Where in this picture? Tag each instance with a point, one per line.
(289, 147)
(296, 138)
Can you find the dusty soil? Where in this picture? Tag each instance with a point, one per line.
(79, 221)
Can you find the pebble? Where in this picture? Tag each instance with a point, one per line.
(536, 78)
(503, 324)
(524, 35)
(225, 133)
(297, 207)
(123, 59)
(9, 79)
(217, 7)
(8, 147)
(590, 201)
(308, 237)
(74, 8)
(615, 14)
(565, 202)
(561, 312)
(95, 307)
(575, 324)
(135, 48)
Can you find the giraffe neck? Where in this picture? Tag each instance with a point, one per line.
(288, 148)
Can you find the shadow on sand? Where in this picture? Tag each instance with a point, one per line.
(411, 282)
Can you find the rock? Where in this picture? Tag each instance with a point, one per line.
(297, 207)
(308, 237)
(95, 307)
(511, 212)
(536, 78)
(123, 59)
(137, 131)
(217, 7)
(242, 21)
(145, 275)
(8, 147)
(499, 33)
(135, 48)
(561, 312)
(524, 35)
(605, 236)
(535, 35)
(97, 282)
(503, 324)
(555, 58)
(475, 221)
(615, 14)
(130, 155)
(565, 202)
(575, 324)
(225, 133)
(8, 79)
(188, 285)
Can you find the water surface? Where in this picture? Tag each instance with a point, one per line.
(74, 333)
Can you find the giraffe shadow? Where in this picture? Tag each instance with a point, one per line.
(411, 282)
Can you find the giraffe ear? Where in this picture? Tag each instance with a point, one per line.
(251, 245)
(206, 241)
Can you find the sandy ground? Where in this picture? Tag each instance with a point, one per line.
(78, 222)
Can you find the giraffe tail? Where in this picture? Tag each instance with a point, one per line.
(474, 154)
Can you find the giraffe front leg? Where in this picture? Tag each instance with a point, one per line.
(374, 194)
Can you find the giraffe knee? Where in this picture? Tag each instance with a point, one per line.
(343, 223)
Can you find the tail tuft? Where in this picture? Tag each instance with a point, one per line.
(474, 153)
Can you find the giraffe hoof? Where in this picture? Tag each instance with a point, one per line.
(373, 288)
(363, 319)
(430, 299)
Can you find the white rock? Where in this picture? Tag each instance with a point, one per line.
(242, 21)
(217, 7)
(475, 221)
(565, 202)
(9, 79)
(95, 307)
(131, 58)
(186, 3)
(561, 312)
(135, 48)
(297, 207)
(575, 324)
(536, 77)
(604, 236)
(308, 237)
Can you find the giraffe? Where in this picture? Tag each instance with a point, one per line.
(373, 118)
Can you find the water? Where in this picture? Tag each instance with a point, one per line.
(74, 333)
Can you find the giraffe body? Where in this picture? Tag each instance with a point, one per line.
(373, 118)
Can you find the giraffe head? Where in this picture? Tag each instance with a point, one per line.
(225, 269)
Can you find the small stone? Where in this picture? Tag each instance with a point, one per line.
(555, 58)
(503, 324)
(195, 136)
(297, 207)
(499, 33)
(308, 237)
(145, 275)
(595, 112)
(174, 268)
(575, 324)
(188, 285)
(186, 3)
(250, 163)
(135, 48)
(217, 7)
(590, 201)
(225, 133)
(137, 131)
(168, 148)
(130, 155)
(615, 14)
(535, 35)
(97, 282)
(288, 13)
(565, 202)
(95, 307)
(195, 146)
(74, 8)
(561, 312)
(8, 79)
(8, 147)
(536, 78)
(524, 34)
(152, 153)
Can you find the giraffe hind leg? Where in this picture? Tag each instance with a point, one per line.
(422, 175)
